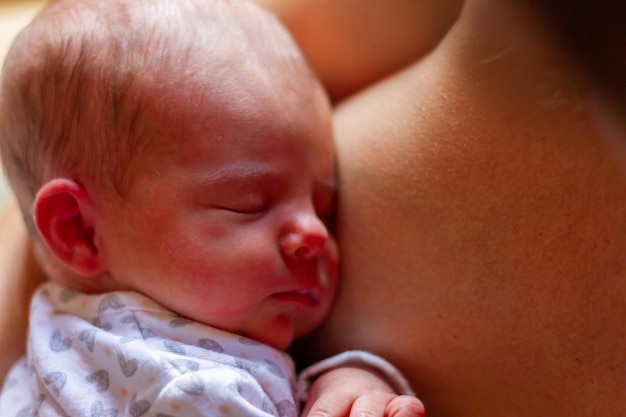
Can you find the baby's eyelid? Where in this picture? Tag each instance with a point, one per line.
(243, 209)
(255, 206)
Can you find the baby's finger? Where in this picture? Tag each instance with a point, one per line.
(405, 406)
(373, 404)
(328, 406)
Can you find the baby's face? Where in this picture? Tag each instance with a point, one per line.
(226, 221)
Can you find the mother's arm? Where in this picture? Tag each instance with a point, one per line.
(19, 276)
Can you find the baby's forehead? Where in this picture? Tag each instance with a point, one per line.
(163, 72)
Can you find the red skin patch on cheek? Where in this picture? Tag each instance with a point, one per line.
(214, 231)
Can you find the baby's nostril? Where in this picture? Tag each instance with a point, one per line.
(303, 252)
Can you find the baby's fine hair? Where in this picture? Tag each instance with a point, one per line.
(71, 100)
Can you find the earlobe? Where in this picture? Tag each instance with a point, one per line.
(63, 219)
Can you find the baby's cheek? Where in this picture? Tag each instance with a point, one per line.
(214, 231)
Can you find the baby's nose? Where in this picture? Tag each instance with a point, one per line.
(306, 238)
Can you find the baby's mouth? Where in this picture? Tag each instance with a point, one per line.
(309, 288)
(309, 297)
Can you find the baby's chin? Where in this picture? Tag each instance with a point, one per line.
(279, 334)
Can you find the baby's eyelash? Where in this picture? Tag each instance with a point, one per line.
(244, 210)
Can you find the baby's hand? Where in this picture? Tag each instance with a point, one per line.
(355, 391)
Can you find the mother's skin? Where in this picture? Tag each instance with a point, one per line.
(482, 220)
(481, 211)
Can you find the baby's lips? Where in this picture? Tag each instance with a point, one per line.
(306, 296)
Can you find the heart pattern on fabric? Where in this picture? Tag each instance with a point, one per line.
(101, 375)
(100, 379)
(174, 347)
(89, 337)
(101, 325)
(242, 364)
(58, 343)
(129, 366)
(286, 408)
(56, 381)
(180, 322)
(273, 368)
(144, 333)
(67, 295)
(110, 302)
(138, 408)
(98, 410)
(211, 345)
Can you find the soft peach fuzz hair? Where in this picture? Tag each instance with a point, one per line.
(72, 100)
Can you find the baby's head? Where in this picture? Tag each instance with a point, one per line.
(87, 85)
(180, 148)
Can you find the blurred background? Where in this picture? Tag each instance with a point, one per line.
(14, 15)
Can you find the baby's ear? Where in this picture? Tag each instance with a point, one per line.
(64, 218)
